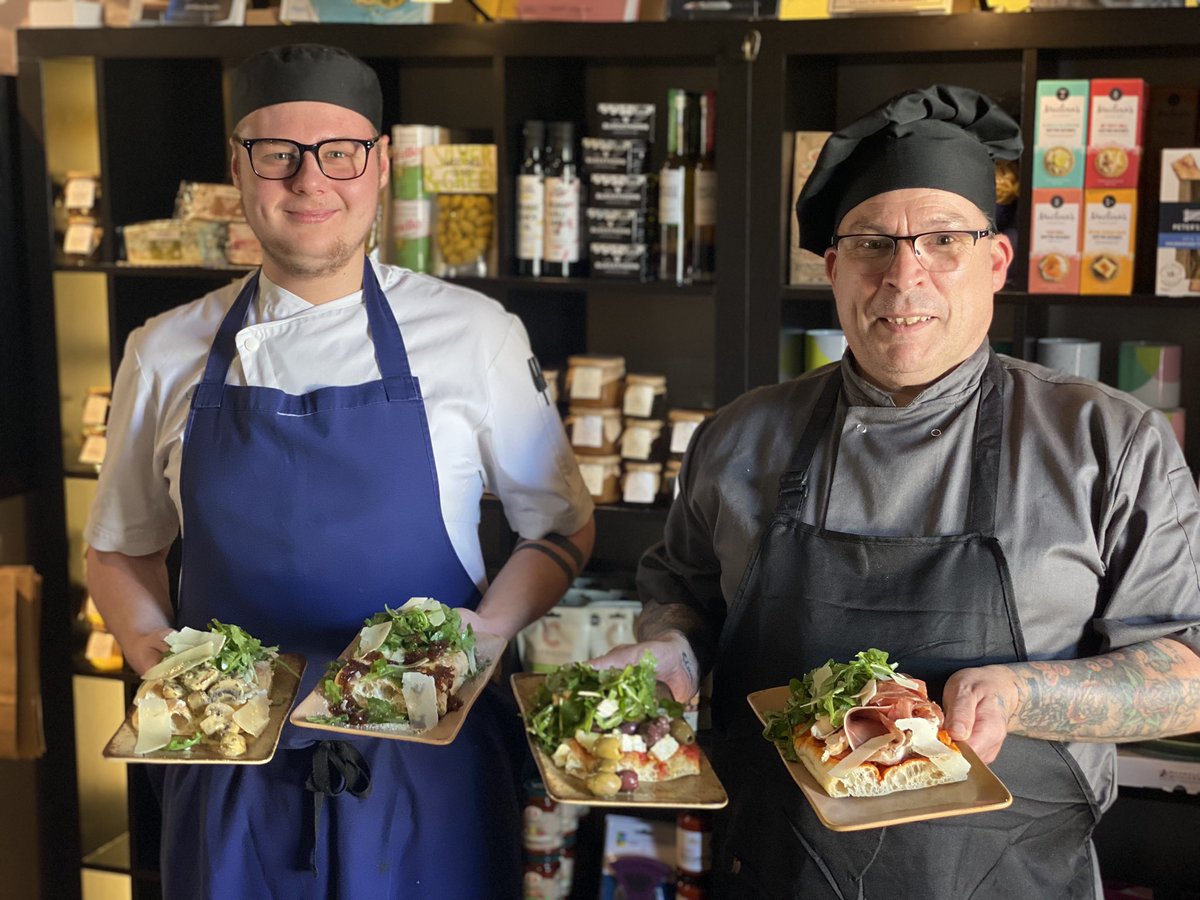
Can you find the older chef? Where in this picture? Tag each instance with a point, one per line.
(322, 431)
(1026, 541)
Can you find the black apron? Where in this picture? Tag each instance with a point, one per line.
(936, 604)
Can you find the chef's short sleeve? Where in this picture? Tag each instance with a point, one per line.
(132, 512)
(1152, 537)
(528, 462)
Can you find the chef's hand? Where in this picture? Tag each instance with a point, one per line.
(978, 704)
(677, 667)
(145, 650)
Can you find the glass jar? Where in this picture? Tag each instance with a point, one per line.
(594, 380)
(645, 396)
(541, 881)
(463, 234)
(594, 432)
(683, 424)
(542, 821)
(641, 483)
(643, 440)
(602, 475)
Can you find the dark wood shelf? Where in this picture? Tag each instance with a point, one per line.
(216, 273)
(1023, 298)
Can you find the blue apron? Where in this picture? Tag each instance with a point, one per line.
(304, 515)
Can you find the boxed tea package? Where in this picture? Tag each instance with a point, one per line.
(1115, 126)
(1060, 133)
(1177, 271)
(804, 267)
(1109, 217)
(1055, 231)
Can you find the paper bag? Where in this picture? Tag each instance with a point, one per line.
(21, 734)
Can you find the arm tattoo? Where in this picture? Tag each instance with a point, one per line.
(1143, 691)
(570, 567)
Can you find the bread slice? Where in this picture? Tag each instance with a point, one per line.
(576, 760)
(876, 779)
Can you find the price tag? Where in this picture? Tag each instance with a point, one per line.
(635, 443)
(95, 410)
(585, 383)
(80, 194)
(640, 487)
(639, 400)
(593, 477)
(94, 446)
(100, 646)
(681, 435)
(78, 239)
(588, 431)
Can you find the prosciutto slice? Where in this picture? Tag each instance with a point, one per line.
(889, 701)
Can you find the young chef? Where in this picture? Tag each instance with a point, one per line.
(1025, 541)
(321, 432)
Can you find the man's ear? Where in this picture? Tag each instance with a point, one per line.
(235, 163)
(1002, 257)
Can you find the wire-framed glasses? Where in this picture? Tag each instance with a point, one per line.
(275, 159)
(937, 251)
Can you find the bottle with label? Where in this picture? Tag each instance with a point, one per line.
(675, 192)
(562, 203)
(693, 855)
(531, 203)
(704, 207)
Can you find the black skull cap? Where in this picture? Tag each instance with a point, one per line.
(307, 72)
(943, 137)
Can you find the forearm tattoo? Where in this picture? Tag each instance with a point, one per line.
(658, 619)
(564, 554)
(1142, 691)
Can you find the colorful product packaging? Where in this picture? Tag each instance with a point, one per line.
(1056, 229)
(1116, 121)
(1177, 269)
(1060, 134)
(804, 267)
(1109, 219)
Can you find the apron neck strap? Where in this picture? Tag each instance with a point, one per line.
(390, 353)
(985, 467)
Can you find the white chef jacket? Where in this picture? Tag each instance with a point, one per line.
(490, 425)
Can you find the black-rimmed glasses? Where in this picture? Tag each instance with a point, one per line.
(275, 159)
(937, 251)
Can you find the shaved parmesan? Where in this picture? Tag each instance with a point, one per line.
(822, 727)
(154, 724)
(372, 637)
(420, 696)
(867, 694)
(175, 665)
(432, 608)
(819, 677)
(905, 681)
(189, 637)
(860, 755)
(924, 741)
(253, 716)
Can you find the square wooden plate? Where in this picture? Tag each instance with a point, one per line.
(703, 791)
(981, 792)
(488, 650)
(259, 750)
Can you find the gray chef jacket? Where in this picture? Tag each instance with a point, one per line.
(1097, 513)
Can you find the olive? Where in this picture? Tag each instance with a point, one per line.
(606, 765)
(629, 780)
(629, 727)
(682, 732)
(605, 784)
(608, 747)
(655, 730)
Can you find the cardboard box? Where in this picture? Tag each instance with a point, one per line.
(1109, 219)
(1177, 269)
(1136, 769)
(804, 267)
(1116, 120)
(1060, 134)
(1055, 232)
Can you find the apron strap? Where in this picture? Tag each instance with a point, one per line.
(985, 471)
(793, 483)
(336, 767)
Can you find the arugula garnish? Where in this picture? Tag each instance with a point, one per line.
(569, 700)
(831, 691)
(415, 628)
(240, 651)
(184, 742)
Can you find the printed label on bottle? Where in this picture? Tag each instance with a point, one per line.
(531, 216)
(692, 850)
(562, 219)
(705, 208)
(411, 219)
(670, 197)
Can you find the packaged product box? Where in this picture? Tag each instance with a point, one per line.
(1109, 217)
(1060, 133)
(1116, 120)
(1055, 231)
(804, 267)
(1177, 270)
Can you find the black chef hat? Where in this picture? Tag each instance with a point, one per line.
(942, 137)
(307, 72)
